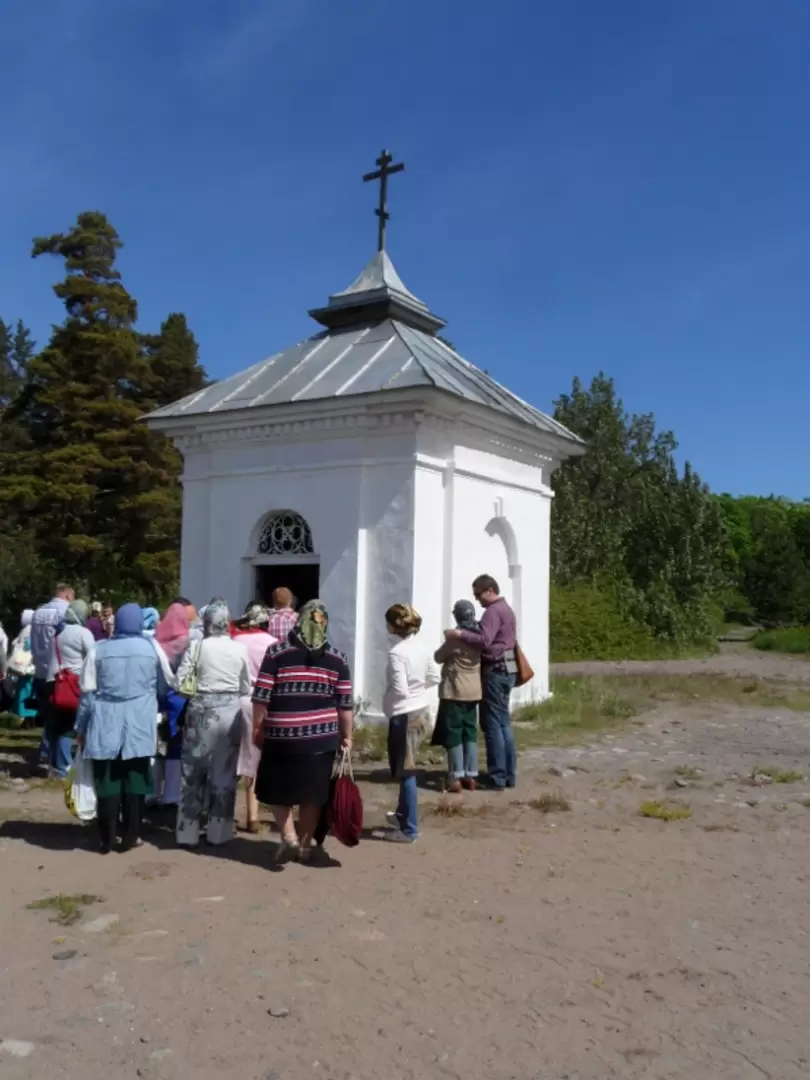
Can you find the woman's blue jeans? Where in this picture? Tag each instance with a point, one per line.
(407, 812)
(408, 808)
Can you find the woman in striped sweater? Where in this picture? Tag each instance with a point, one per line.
(302, 714)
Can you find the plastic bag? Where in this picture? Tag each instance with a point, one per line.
(80, 791)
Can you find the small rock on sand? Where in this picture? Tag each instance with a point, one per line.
(17, 1047)
(101, 923)
(278, 1012)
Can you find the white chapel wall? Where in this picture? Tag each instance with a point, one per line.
(357, 497)
(489, 490)
(245, 483)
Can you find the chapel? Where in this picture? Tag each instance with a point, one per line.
(369, 465)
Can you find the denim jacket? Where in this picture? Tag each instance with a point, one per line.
(121, 681)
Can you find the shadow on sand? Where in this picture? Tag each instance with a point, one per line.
(73, 836)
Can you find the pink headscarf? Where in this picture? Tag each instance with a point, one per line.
(172, 633)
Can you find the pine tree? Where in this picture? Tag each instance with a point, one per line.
(173, 355)
(99, 489)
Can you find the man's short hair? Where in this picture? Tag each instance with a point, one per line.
(62, 588)
(484, 583)
(282, 597)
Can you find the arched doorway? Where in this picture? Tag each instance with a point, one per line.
(507, 570)
(284, 556)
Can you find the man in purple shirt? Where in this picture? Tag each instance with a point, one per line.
(496, 639)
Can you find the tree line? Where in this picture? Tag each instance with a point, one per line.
(644, 557)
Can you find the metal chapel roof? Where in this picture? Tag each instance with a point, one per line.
(378, 337)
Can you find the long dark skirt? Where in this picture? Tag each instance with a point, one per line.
(285, 779)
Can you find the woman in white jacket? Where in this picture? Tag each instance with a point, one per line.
(411, 672)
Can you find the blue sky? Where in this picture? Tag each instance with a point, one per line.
(619, 185)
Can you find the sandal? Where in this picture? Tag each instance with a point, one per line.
(253, 827)
(288, 851)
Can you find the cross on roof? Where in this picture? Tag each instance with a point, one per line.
(385, 170)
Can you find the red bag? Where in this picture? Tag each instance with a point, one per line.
(66, 690)
(345, 814)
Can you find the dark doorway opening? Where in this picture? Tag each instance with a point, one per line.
(302, 579)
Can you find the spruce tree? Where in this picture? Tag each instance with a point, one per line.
(22, 349)
(7, 380)
(16, 349)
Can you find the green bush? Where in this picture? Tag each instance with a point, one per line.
(794, 639)
(586, 624)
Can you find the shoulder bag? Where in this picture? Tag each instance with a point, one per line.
(525, 671)
(188, 687)
(66, 689)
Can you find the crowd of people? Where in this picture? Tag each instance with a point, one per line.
(174, 710)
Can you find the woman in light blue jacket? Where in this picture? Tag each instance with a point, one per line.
(117, 723)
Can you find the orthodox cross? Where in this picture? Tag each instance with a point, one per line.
(385, 170)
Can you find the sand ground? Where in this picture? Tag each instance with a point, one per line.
(507, 944)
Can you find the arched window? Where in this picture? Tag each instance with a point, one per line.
(285, 533)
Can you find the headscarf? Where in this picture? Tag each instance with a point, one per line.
(150, 618)
(404, 620)
(217, 619)
(128, 621)
(464, 614)
(95, 608)
(76, 614)
(256, 617)
(26, 617)
(172, 632)
(313, 622)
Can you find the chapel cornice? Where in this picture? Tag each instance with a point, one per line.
(372, 416)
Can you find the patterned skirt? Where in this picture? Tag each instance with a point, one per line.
(210, 752)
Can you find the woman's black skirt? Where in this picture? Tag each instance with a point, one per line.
(285, 779)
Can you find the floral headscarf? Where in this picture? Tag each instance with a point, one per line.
(313, 622)
(404, 620)
(217, 619)
(256, 617)
(172, 632)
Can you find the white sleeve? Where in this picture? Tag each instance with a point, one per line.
(165, 666)
(433, 674)
(88, 680)
(398, 674)
(245, 680)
